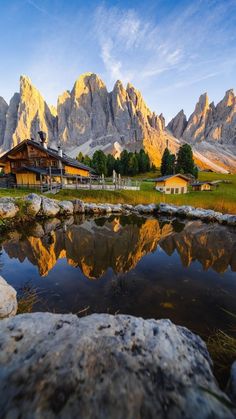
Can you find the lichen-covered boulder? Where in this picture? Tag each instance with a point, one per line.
(50, 207)
(66, 207)
(8, 208)
(103, 366)
(33, 202)
(8, 301)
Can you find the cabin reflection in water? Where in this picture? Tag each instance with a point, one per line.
(119, 243)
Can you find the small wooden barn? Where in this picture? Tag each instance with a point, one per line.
(172, 184)
(203, 186)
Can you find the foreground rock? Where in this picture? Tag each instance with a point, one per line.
(104, 366)
(8, 301)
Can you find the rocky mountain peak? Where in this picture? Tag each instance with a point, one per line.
(202, 105)
(229, 98)
(87, 82)
(3, 115)
(178, 124)
(3, 103)
(89, 117)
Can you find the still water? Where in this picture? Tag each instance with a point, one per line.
(149, 267)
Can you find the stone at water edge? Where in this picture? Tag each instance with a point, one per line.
(105, 366)
(66, 207)
(8, 208)
(8, 301)
(50, 207)
(34, 202)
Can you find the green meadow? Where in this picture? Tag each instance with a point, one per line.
(222, 199)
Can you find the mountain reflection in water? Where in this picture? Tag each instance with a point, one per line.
(94, 245)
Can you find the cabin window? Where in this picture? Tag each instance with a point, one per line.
(182, 190)
(176, 190)
(37, 176)
(167, 189)
(172, 190)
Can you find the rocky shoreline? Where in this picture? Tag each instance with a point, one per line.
(35, 205)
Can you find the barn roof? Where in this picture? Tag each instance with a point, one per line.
(51, 152)
(163, 178)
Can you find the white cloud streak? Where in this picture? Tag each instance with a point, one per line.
(136, 48)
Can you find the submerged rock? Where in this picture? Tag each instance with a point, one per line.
(8, 301)
(105, 366)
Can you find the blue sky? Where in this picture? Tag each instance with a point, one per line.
(172, 51)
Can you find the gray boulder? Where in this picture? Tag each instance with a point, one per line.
(66, 207)
(8, 301)
(145, 209)
(50, 208)
(168, 209)
(33, 202)
(8, 208)
(184, 210)
(103, 366)
(116, 208)
(127, 207)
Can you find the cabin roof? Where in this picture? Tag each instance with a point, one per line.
(201, 183)
(69, 161)
(163, 178)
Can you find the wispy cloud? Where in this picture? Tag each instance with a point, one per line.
(171, 54)
(138, 48)
(37, 7)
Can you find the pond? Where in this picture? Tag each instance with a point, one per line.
(144, 266)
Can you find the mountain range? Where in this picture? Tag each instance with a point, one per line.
(89, 117)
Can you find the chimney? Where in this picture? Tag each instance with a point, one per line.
(43, 138)
(60, 151)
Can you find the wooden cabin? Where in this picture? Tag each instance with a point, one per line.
(202, 186)
(172, 184)
(33, 164)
